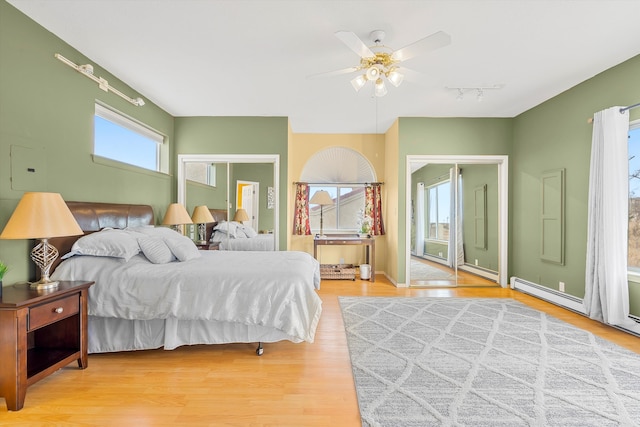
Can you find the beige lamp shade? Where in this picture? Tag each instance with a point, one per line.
(322, 198)
(241, 215)
(41, 216)
(202, 215)
(176, 215)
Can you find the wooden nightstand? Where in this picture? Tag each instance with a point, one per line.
(40, 332)
(214, 246)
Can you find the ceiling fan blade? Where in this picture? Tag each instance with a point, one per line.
(354, 43)
(334, 73)
(429, 43)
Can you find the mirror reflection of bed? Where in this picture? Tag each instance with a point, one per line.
(229, 185)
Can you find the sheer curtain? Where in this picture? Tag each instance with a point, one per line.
(606, 289)
(455, 255)
(301, 224)
(419, 219)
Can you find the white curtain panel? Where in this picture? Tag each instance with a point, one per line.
(419, 219)
(607, 290)
(455, 255)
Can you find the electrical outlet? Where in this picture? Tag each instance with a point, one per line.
(561, 286)
(341, 260)
(440, 254)
(476, 262)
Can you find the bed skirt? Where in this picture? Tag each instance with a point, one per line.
(107, 334)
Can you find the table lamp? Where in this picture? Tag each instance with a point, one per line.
(41, 216)
(201, 216)
(241, 215)
(322, 198)
(176, 216)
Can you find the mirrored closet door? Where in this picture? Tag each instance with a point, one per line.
(228, 183)
(456, 231)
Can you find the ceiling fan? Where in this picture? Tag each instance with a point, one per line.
(381, 63)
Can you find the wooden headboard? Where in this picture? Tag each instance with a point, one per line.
(94, 216)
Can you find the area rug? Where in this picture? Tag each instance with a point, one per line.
(423, 271)
(483, 362)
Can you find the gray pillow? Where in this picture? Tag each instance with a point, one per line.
(156, 250)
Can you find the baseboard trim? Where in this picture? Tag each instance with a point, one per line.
(551, 295)
(480, 271)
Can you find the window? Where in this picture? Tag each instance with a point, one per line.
(343, 215)
(438, 211)
(634, 197)
(119, 138)
(342, 172)
(204, 173)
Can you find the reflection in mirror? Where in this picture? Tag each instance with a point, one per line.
(431, 192)
(456, 236)
(217, 181)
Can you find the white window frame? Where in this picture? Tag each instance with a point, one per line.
(633, 273)
(428, 210)
(337, 229)
(126, 122)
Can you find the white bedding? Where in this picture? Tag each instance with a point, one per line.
(260, 242)
(272, 290)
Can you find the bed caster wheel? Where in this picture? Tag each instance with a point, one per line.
(259, 350)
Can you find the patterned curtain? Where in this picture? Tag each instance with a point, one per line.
(373, 207)
(301, 225)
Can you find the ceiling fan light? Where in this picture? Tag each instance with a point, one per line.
(373, 73)
(359, 82)
(395, 78)
(381, 89)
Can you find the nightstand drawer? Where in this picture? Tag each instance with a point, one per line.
(53, 311)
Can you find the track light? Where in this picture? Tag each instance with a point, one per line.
(479, 91)
(87, 70)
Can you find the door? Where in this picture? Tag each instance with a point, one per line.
(247, 199)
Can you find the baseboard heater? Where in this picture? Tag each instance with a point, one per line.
(561, 299)
(551, 295)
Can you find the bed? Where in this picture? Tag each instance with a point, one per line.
(142, 301)
(235, 236)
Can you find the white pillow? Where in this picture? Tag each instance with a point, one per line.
(108, 243)
(181, 246)
(231, 228)
(156, 250)
(183, 249)
(248, 231)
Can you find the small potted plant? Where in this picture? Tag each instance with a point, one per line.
(3, 270)
(364, 222)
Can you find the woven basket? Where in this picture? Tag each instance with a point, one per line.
(337, 271)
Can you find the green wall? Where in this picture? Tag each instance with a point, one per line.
(556, 135)
(239, 135)
(48, 107)
(256, 172)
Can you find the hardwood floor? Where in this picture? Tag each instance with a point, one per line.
(291, 385)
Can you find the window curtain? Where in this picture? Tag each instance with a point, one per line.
(606, 288)
(419, 219)
(373, 207)
(455, 254)
(301, 225)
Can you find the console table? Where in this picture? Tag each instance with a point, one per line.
(40, 332)
(350, 239)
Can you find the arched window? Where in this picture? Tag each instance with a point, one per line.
(343, 173)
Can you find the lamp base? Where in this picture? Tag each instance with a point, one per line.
(43, 284)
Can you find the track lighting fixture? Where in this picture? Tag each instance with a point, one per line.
(87, 70)
(479, 91)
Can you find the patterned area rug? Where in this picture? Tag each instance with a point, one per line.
(484, 362)
(423, 271)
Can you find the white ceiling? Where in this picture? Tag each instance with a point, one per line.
(252, 57)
